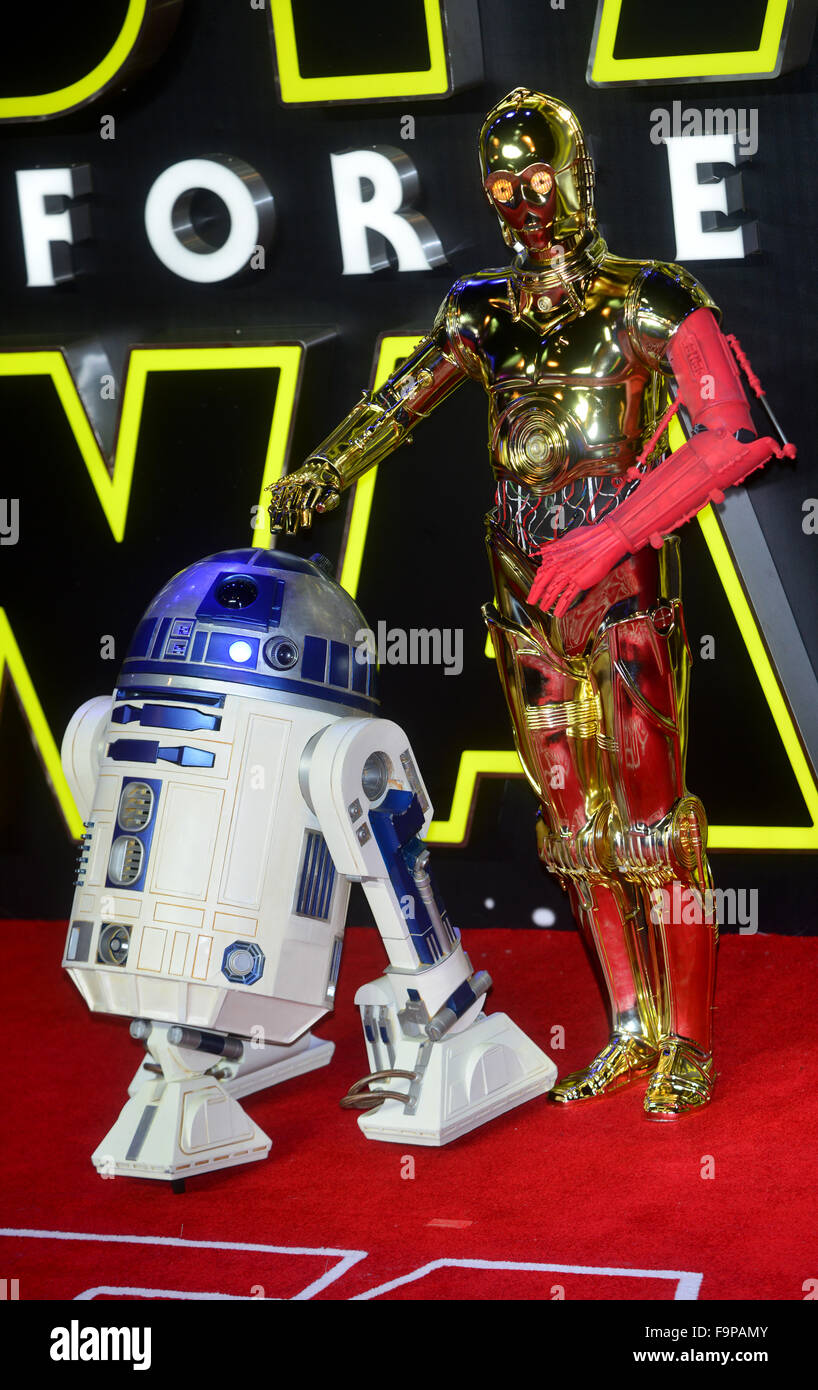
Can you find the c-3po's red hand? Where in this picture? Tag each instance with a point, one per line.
(720, 454)
(574, 563)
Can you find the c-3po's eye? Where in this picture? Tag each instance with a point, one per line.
(502, 190)
(542, 182)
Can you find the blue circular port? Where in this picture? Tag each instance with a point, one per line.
(243, 962)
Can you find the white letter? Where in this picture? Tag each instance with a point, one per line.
(60, 1350)
(170, 228)
(9, 520)
(453, 653)
(141, 1360)
(810, 509)
(365, 225)
(660, 125)
(42, 229)
(365, 648)
(695, 241)
(748, 135)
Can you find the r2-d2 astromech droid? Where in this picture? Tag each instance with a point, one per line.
(233, 788)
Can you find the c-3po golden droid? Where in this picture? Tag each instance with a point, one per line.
(578, 351)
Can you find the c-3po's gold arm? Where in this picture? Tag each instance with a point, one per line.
(374, 428)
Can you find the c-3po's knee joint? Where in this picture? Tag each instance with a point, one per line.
(604, 847)
(585, 854)
(675, 848)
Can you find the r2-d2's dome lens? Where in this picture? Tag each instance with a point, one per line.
(281, 653)
(239, 591)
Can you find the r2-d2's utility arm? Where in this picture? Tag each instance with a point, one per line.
(422, 1021)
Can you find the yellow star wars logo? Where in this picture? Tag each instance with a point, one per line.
(112, 484)
(638, 41)
(146, 27)
(416, 56)
(430, 49)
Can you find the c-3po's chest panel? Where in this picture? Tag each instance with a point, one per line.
(565, 390)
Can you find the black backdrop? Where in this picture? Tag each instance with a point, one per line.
(201, 445)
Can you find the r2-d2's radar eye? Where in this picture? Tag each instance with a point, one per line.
(239, 591)
(281, 653)
(375, 775)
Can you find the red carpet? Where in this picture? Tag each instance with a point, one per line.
(597, 1202)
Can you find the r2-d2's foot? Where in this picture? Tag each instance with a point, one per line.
(183, 1117)
(436, 1076)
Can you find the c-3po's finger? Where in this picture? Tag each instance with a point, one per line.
(568, 597)
(535, 592)
(551, 592)
(309, 496)
(280, 510)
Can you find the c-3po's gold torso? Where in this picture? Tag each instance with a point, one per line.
(575, 379)
(572, 362)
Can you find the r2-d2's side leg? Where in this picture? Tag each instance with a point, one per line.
(440, 1065)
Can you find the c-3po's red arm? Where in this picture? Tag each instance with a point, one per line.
(722, 450)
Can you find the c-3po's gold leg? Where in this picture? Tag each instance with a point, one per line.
(658, 831)
(624, 1059)
(682, 1081)
(555, 715)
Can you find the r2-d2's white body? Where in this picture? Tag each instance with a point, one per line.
(233, 788)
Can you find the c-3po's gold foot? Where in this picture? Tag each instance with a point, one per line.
(626, 1058)
(682, 1081)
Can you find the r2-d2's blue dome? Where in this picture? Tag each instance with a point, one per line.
(258, 618)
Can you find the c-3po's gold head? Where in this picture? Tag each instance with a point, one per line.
(537, 173)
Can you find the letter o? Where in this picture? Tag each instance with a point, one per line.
(169, 225)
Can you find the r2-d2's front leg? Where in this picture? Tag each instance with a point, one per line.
(440, 1066)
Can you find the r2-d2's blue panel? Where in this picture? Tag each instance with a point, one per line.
(205, 893)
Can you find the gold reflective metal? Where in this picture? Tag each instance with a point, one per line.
(623, 1060)
(683, 1081)
(528, 127)
(580, 717)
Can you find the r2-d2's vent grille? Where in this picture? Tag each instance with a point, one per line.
(135, 806)
(125, 863)
(317, 880)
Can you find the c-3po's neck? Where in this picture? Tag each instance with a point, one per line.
(562, 268)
